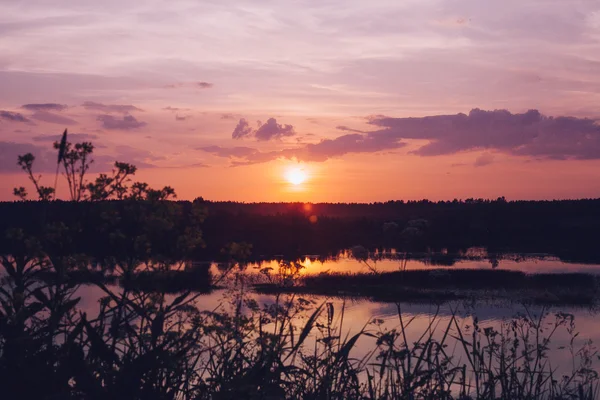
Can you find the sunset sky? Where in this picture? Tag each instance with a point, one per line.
(355, 100)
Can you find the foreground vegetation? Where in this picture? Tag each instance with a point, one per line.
(139, 345)
(140, 342)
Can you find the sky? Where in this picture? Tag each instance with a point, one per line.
(329, 100)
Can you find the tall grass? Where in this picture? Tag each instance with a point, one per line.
(139, 345)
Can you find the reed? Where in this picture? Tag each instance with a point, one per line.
(140, 345)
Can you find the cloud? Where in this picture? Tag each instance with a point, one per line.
(483, 160)
(139, 157)
(53, 118)
(242, 129)
(9, 151)
(175, 109)
(528, 134)
(45, 107)
(238, 152)
(45, 156)
(200, 85)
(351, 143)
(110, 108)
(267, 131)
(13, 116)
(73, 138)
(193, 165)
(317, 152)
(182, 118)
(345, 128)
(126, 123)
(272, 130)
(228, 116)
(204, 85)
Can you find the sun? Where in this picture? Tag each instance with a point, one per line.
(296, 176)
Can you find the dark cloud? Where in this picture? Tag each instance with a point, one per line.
(228, 116)
(45, 156)
(182, 118)
(198, 165)
(110, 108)
(351, 143)
(126, 123)
(175, 109)
(201, 85)
(204, 85)
(139, 157)
(73, 138)
(13, 116)
(9, 151)
(267, 131)
(242, 129)
(317, 152)
(527, 134)
(483, 160)
(272, 130)
(193, 165)
(45, 107)
(53, 118)
(345, 128)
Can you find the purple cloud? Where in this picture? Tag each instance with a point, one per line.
(13, 116)
(45, 107)
(9, 151)
(110, 108)
(238, 152)
(197, 165)
(351, 143)
(204, 85)
(45, 156)
(242, 129)
(53, 118)
(272, 130)
(267, 131)
(317, 152)
(201, 85)
(73, 138)
(175, 109)
(527, 134)
(345, 128)
(126, 123)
